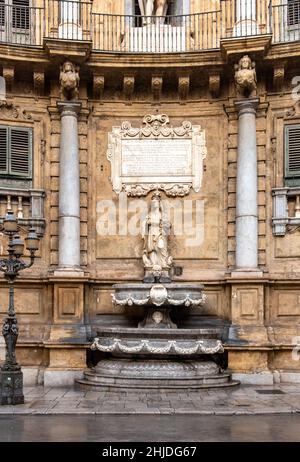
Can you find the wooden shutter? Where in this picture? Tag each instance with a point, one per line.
(20, 16)
(292, 154)
(2, 13)
(15, 151)
(3, 150)
(20, 152)
(293, 16)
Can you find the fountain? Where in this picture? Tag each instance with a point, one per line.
(158, 354)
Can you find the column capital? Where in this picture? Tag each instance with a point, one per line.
(247, 105)
(70, 108)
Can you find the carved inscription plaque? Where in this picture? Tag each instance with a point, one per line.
(156, 156)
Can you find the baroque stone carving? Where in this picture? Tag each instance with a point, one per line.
(156, 86)
(39, 82)
(9, 75)
(99, 83)
(183, 86)
(278, 77)
(156, 259)
(150, 346)
(9, 111)
(128, 86)
(136, 153)
(245, 78)
(69, 81)
(214, 84)
(159, 295)
(172, 190)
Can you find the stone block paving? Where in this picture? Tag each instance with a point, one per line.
(242, 400)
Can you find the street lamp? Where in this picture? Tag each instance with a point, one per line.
(11, 376)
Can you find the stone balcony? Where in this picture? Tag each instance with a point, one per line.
(74, 21)
(27, 204)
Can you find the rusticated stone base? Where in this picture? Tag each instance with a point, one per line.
(11, 387)
(155, 374)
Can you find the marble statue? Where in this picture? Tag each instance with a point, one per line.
(245, 78)
(69, 81)
(156, 229)
(153, 8)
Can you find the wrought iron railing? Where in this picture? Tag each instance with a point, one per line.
(286, 22)
(68, 19)
(152, 34)
(76, 20)
(21, 25)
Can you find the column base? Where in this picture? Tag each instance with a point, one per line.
(11, 387)
(74, 272)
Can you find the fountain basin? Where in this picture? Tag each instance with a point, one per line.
(158, 299)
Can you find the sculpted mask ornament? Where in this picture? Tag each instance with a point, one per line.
(156, 229)
(69, 81)
(153, 8)
(245, 78)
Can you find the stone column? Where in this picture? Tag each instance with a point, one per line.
(69, 188)
(246, 187)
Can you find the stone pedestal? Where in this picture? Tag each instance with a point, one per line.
(69, 190)
(246, 187)
(11, 387)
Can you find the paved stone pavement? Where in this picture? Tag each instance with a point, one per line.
(242, 400)
(143, 428)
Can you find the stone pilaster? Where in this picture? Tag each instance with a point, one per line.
(246, 187)
(69, 190)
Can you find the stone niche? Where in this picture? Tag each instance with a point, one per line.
(191, 180)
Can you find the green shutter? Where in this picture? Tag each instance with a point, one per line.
(20, 14)
(20, 147)
(292, 155)
(2, 13)
(15, 151)
(3, 150)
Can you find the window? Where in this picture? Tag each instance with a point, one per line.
(293, 13)
(2, 13)
(70, 12)
(20, 14)
(15, 151)
(16, 13)
(292, 155)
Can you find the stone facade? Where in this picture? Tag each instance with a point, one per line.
(64, 297)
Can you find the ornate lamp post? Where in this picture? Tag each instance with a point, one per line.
(11, 376)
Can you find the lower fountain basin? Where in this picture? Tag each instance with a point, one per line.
(153, 343)
(163, 375)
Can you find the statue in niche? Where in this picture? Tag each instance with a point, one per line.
(245, 78)
(153, 8)
(156, 229)
(69, 81)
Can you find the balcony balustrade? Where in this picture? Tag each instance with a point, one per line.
(27, 205)
(76, 20)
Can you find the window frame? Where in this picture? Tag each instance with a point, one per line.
(290, 178)
(13, 174)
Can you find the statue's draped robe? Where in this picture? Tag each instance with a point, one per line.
(143, 3)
